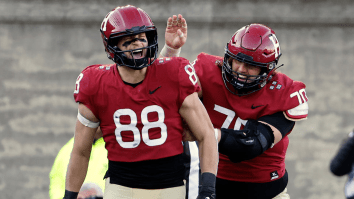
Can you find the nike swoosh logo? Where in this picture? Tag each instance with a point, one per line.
(253, 107)
(151, 92)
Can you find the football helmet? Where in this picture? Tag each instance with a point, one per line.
(254, 44)
(127, 21)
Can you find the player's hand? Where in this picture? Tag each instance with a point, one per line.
(206, 196)
(176, 31)
(187, 133)
(188, 136)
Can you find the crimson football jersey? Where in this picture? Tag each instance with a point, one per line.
(141, 123)
(227, 110)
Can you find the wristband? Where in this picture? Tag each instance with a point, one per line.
(208, 179)
(70, 194)
(169, 52)
(207, 187)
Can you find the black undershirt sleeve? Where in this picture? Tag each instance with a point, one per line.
(279, 121)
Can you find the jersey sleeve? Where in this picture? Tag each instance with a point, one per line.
(86, 88)
(205, 66)
(198, 64)
(296, 101)
(187, 80)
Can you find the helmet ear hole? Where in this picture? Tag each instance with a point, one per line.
(113, 42)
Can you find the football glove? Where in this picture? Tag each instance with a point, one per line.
(246, 144)
(70, 194)
(207, 187)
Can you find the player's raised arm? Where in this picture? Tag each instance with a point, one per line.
(175, 36)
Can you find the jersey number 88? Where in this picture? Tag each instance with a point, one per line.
(145, 130)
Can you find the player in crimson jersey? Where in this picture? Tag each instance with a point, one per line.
(256, 108)
(139, 103)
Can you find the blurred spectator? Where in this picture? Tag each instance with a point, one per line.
(98, 166)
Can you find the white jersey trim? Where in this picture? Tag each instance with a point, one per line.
(194, 171)
(298, 113)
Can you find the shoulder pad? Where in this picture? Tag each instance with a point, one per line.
(203, 63)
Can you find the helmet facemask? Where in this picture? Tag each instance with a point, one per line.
(129, 21)
(242, 84)
(137, 64)
(255, 45)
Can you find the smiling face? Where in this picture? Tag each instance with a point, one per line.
(130, 43)
(246, 72)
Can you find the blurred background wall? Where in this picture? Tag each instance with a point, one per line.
(44, 45)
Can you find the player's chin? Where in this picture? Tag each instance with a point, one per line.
(250, 81)
(245, 80)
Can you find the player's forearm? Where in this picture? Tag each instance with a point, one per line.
(81, 151)
(208, 146)
(200, 125)
(76, 172)
(208, 154)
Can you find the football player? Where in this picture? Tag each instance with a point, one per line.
(139, 103)
(253, 108)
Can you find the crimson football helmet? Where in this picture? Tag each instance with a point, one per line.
(126, 21)
(254, 44)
